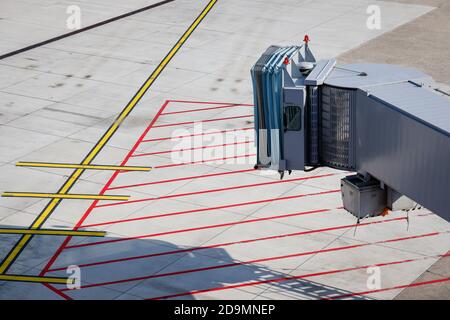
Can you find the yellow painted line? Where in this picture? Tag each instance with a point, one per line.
(64, 196)
(53, 232)
(55, 280)
(108, 134)
(81, 166)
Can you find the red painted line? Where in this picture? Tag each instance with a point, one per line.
(283, 279)
(104, 189)
(197, 134)
(218, 245)
(241, 263)
(220, 225)
(253, 185)
(206, 120)
(190, 149)
(200, 161)
(208, 102)
(204, 109)
(182, 179)
(211, 208)
(57, 291)
(417, 284)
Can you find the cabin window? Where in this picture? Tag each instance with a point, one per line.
(292, 118)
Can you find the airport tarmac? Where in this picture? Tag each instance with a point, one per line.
(202, 224)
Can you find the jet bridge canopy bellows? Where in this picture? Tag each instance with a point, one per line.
(385, 122)
(268, 76)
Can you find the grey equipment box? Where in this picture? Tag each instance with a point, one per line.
(362, 198)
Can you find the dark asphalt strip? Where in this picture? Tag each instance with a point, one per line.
(92, 26)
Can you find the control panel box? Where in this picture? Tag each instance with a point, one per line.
(362, 198)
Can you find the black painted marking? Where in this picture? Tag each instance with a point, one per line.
(95, 25)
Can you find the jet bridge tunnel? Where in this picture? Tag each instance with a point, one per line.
(384, 122)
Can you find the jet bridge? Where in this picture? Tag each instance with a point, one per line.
(384, 122)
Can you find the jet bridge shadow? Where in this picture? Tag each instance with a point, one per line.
(194, 268)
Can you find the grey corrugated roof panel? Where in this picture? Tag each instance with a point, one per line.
(422, 104)
(320, 72)
(361, 75)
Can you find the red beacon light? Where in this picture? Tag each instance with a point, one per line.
(306, 38)
(286, 60)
